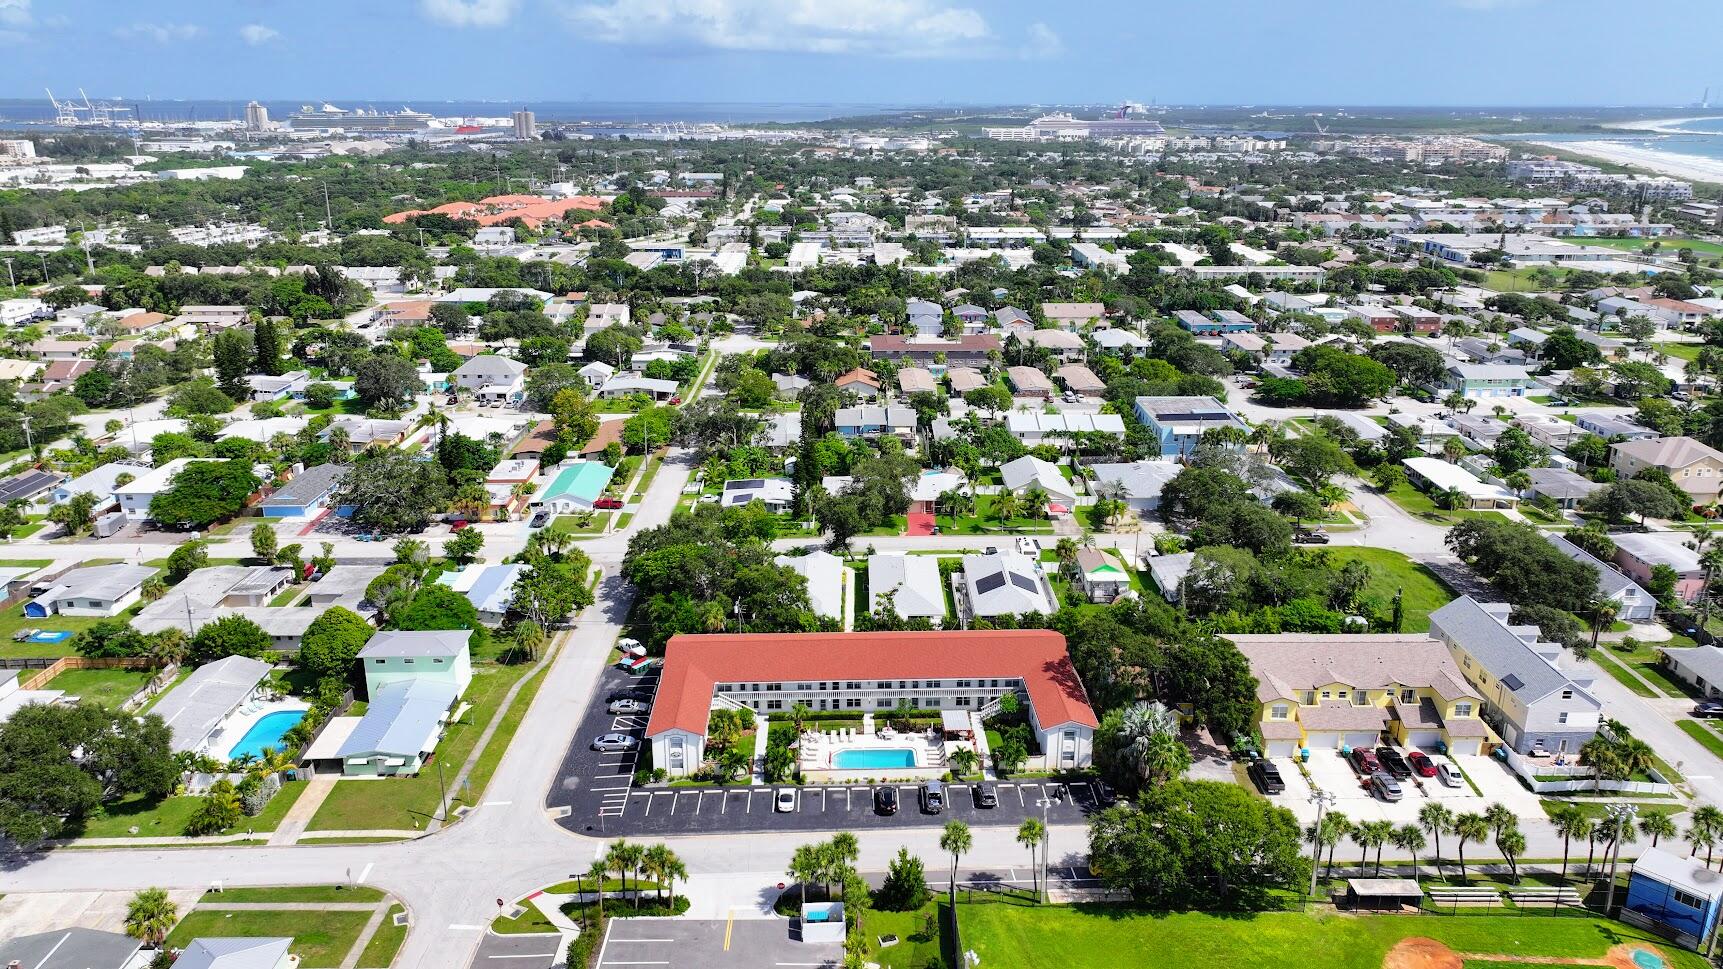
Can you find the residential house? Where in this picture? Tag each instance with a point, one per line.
(136, 495)
(1099, 574)
(1700, 667)
(490, 588)
(915, 380)
(413, 680)
(93, 590)
(219, 591)
(101, 482)
(596, 374)
(1484, 380)
(1214, 324)
(1695, 467)
(576, 488)
(1169, 573)
(33, 485)
(1609, 427)
(195, 709)
(1029, 471)
(1533, 696)
(1320, 692)
(1138, 483)
(237, 952)
(862, 383)
(971, 350)
(911, 582)
(949, 671)
(1060, 429)
(629, 384)
(1073, 316)
(1029, 382)
(1118, 339)
(1379, 318)
(872, 420)
(964, 379)
(288, 386)
(1560, 485)
(1549, 430)
(1079, 379)
(1005, 584)
(1639, 553)
(824, 573)
(1437, 476)
(1179, 422)
(777, 494)
(307, 494)
(491, 378)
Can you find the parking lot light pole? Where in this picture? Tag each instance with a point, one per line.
(1622, 815)
(1321, 799)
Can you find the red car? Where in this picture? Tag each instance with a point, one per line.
(456, 526)
(608, 503)
(1364, 761)
(1422, 765)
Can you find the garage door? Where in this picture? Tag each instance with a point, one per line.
(1465, 746)
(1362, 738)
(1282, 748)
(1424, 738)
(1322, 740)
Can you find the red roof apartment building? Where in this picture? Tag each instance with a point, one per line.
(957, 671)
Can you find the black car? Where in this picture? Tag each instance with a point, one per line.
(932, 797)
(986, 795)
(1308, 537)
(1708, 708)
(1393, 762)
(539, 520)
(885, 800)
(1266, 777)
(633, 693)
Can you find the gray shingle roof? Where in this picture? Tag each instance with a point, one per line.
(233, 953)
(1609, 581)
(210, 693)
(1466, 622)
(438, 642)
(310, 485)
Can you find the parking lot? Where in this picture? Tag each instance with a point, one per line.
(1332, 773)
(518, 952)
(599, 795)
(702, 943)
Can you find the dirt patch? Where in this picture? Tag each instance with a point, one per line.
(1421, 953)
(1621, 956)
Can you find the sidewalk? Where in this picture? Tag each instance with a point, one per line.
(298, 816)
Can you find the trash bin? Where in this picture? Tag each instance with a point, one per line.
(1304, 755)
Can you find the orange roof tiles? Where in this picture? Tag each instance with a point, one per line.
(695, 664)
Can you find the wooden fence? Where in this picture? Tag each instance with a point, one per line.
(41, 678)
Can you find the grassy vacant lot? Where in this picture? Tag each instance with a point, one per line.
(398, 803)
(984, 521)
(917, 939)
(1643, 660)
(1091, 937)
(1390, 572)
(106, 688)
(1670, 246)
(1682, 351)
(385, 943)
(167, 818)
(320, 939)
(1408, 496)
(573, 523)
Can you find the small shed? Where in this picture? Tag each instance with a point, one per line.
(955, 725)
(823, 922)
(1382, 894)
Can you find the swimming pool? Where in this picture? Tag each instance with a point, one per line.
(266, 732)
(873, 757)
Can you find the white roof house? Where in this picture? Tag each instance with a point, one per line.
(96, 590)
(775, 493)
(912, 581)
(1030, 470)
(825, 574)
(1442, 475)
(1006, 584)
(1141, 481)
(135, 496)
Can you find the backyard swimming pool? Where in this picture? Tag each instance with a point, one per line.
(266, 732)
(873, 758)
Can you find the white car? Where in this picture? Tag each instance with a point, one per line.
(1027, 546)
(786, 800)
(627, 706)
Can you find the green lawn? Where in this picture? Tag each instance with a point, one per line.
(380, 951)
(168, 817)
(1407, 496)
(984, 521)
(1597, 810)
(1093, 936)
(401, 803)
(1643, 661)
(105, 688)
(572, 523)
(296, 893)
(1391, 571)
(1706, 736)
(531, 922)
(1605, 659)
(480, 778)
(13, 619)
(1670, 246)
(1684, 351)
(320, 939)
(917, 941)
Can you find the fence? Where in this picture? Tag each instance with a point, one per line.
(56, 667)
(1562, 779)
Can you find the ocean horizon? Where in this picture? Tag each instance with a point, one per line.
(40, 111)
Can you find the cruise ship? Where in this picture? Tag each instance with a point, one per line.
(1064, 127)
(330, 118)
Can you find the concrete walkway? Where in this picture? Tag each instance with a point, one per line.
(299, 815)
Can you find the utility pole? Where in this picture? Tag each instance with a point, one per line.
(11, 279)
(328, 212)
(1322, 799)
(1622, 815)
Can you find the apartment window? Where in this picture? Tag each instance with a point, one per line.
(852, 703)
(1278, 711)
(1567, 694)
(962, 701)
(992, 682)
(774, 704)
(1466, 661)
(378, 662)
(1562, 718)
(409, 661)
(1326, 694)
(883, 685)
(1309, 698)
(883, 704)
(915, 684)
(963, 684)
(852, 685)
(1462, 709)
(804, 687)
(935, 684)
(774, 687)
(1340, 694)
(1408, 696)
(1361, 698)
(1688, 899)
(932, 702)
(437, 661)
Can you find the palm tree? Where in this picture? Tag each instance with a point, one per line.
(957, 840)
(1007, 506)
(150, 916)
(1335, 826)
(1603, 613)
(673, 869)
(1376, 834)
(1453, 450)
(1438, 820)
(597, 873)
(624, 858)
(1655, 825)
(1029, 835)
(1469, 827)
(1363, 835)
(845, 852)
(805, 867)
(340, 442)
(1330, 495)
(1408, 838)
(1511, 843)
(1454, 402)
(1451, 499)
(1500, 819)
(1703, 828)
(1066, 549)
(653, 861)
(1569, 822)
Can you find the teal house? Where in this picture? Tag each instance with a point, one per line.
(576, 488)
(413, 680)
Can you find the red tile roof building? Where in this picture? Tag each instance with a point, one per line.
(531, 210)
(960, 671)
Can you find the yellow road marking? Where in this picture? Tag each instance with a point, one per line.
(729, 922)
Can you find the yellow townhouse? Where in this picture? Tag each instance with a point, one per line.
(1321, 692)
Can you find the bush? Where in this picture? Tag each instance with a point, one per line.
(584, 949)
(219, 811)
(905, 887)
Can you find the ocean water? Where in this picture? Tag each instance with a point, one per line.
(1702, 137)
(39, 111)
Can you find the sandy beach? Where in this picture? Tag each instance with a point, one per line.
(1666, 126)
(1691, 167)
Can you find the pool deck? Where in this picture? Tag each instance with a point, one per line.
(819, 752)
(235, 727)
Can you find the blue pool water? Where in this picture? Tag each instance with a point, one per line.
(877, 757)
(1646, 960)
(266, 732)
(55, 636)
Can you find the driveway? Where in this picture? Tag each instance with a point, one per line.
(1333, 774)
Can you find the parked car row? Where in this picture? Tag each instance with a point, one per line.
(1382, 770)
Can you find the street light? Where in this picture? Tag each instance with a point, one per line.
(1046, 840)
(1321, 799)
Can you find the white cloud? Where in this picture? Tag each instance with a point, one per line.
(256, 34)
(470, 13)
(15, 13)
(896, 28)
(1044, 43)
(160, 33)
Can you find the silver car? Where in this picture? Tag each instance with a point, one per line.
(627, 706)
(1384, 786)
(615, 742)
(1449, 775)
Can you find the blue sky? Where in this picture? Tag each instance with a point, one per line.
(1492, 52)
